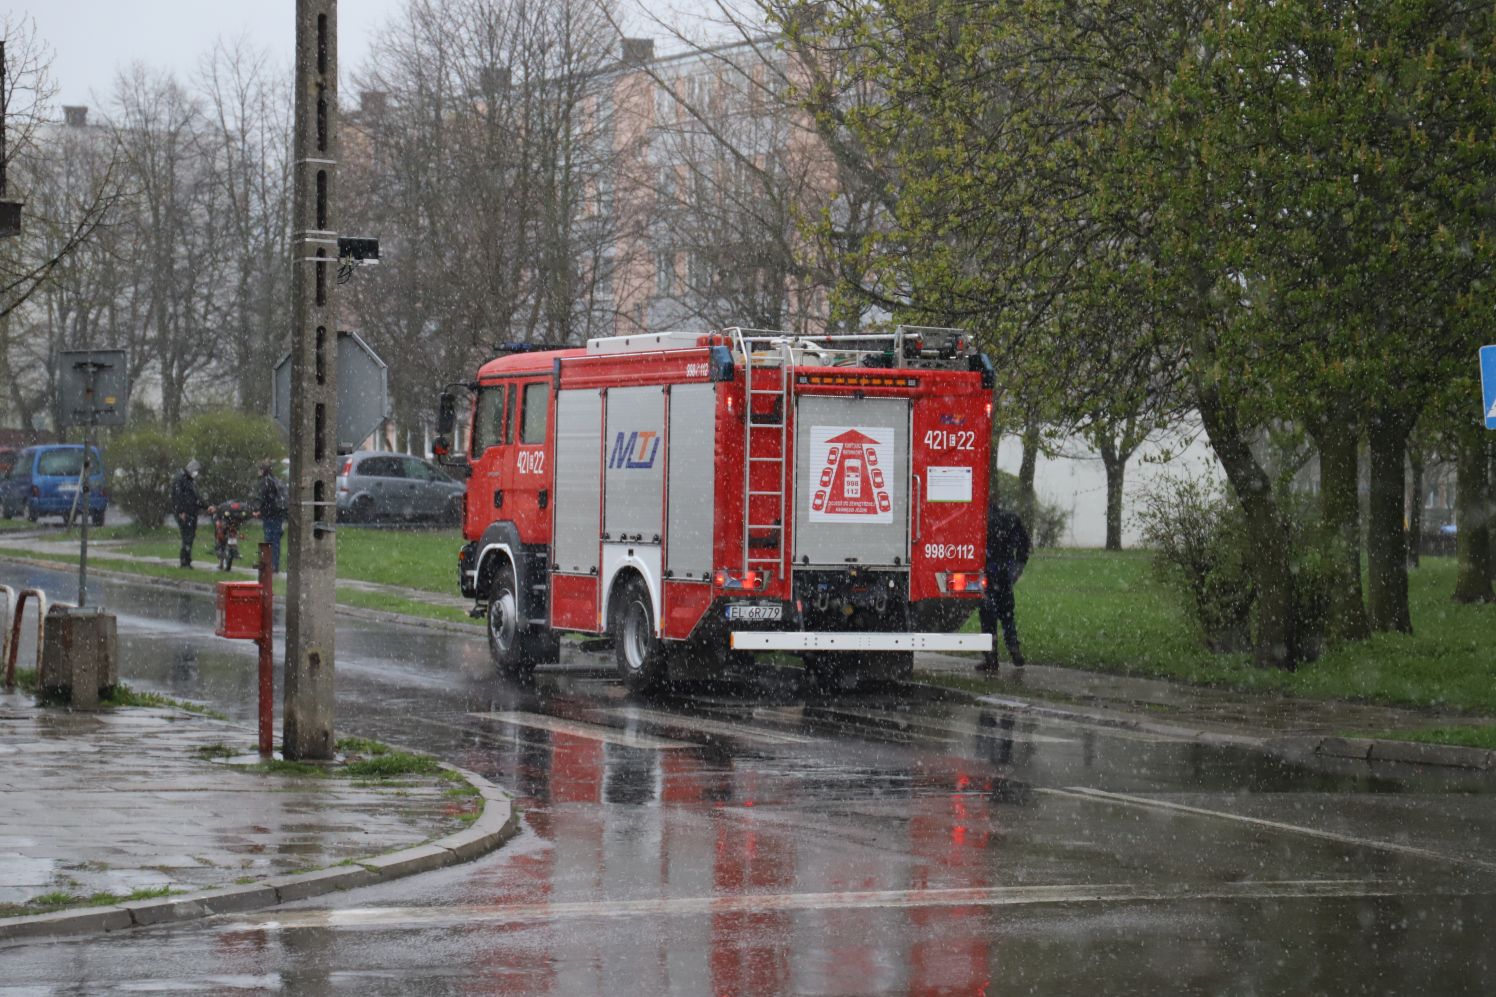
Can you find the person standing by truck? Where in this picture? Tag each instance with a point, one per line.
(1008, 549)
(186, 504)
(271, 508)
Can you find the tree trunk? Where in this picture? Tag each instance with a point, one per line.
(1386, 545)
(1340, 519)
(1415, 504)
(1277, 638)
(1027, 500)
(1116, 471)
(1472, 517)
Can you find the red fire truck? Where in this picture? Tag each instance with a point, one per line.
(693, 498)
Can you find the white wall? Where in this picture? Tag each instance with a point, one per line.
(1077, 482)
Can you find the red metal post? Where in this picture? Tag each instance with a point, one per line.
(266, 641)
(15, 632)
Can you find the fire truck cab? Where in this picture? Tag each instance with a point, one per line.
(699, 497)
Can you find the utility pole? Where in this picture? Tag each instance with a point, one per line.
(310, 599)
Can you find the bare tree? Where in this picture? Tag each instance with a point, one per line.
(70, 185)
(479, 156)
(246, 148)
(180, 233)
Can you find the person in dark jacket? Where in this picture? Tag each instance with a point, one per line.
(186, 504)
(270, 506)
(1007, 553)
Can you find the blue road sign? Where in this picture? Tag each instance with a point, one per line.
(1488, 383)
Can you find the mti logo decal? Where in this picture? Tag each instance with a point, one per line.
(639, 449)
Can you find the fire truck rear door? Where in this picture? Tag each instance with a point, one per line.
(851, 481)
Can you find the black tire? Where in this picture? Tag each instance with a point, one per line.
(639, 653)
(508, 640)
(67, 518)
(362, 510)
(98, 518)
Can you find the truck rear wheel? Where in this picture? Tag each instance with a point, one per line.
(508, 641)
(640, 654)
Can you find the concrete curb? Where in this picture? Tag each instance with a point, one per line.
(497, 824)
(1295, 746)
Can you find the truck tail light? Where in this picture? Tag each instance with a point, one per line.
(961, 581)
(36, 492)
(724, 578)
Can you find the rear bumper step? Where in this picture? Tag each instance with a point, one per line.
(801, 640)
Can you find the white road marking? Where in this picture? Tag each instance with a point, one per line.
(717, 727)
(1123, 799)
(596, 732)
(989, 896)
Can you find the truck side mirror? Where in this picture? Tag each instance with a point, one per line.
(446, 414)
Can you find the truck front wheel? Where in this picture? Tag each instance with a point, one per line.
(640, 654)
(507, 640)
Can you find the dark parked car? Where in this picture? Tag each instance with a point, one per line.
(376, 486)
(44, 482)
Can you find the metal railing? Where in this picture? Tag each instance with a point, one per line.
(10, 626)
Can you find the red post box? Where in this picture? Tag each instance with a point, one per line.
(239, 610)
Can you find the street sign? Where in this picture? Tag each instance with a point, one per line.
(363, 391)
(1488, 383)
(92, 387)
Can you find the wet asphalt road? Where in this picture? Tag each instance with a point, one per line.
(744, 840)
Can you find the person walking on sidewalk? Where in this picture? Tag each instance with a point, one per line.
(186, 503)
(1007, 553)
(271, 508)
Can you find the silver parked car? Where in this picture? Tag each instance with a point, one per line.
(376, 486)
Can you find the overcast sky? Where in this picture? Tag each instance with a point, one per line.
(92, 39)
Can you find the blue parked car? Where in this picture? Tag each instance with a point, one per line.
(44, 482)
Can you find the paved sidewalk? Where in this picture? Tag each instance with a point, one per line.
(100, 806)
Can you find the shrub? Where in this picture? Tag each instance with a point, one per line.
(1049, 522)
(143, 461)
(1199, 542)
(229, 445)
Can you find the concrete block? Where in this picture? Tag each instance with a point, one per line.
(80, 654)
(1345, 747)
(315, 884)
(1415, 753)
(88, 921)
(408, 862)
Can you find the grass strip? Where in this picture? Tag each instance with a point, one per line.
(55, 900)
(1471, 736)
